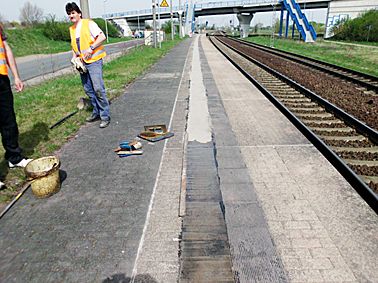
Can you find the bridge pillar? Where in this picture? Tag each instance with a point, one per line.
(129, 26)
(245, 23)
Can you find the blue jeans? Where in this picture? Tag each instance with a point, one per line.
(94, 87)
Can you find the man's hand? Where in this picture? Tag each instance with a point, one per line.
(88, 53)
(19, 85)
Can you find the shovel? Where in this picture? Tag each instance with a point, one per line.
(84, 103)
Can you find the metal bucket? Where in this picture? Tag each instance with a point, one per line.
(43, 174)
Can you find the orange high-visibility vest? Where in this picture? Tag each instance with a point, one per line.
(3, 59)
(85, 42)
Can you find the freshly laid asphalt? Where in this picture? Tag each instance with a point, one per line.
(238, 194)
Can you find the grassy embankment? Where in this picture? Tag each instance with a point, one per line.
(40, 106)
(27, 42)
(363, 59)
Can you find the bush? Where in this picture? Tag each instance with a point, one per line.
(59, 30)
(357, 29)
(56, 30)
(167, 27)
(113, 31)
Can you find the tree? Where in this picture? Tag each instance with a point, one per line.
(277, 26)
(30, 15)
(56, 30)
(257, 27)
(167, 26)
(3, 21)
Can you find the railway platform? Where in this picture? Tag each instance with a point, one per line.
(238, 194)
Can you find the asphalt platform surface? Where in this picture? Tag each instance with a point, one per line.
(248, 199)
(91, 230)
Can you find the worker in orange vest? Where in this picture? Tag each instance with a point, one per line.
(86, 42)
(8, 124)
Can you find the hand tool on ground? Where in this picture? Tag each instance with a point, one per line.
(124, 153)
(25, 186)
(155, 133)
(128, 146)
(83, 104)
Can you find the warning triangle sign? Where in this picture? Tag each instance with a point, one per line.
(164, 4)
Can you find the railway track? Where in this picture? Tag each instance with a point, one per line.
(349, 144)
(368, 83)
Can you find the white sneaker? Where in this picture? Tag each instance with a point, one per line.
(22, 163)
(1, 184)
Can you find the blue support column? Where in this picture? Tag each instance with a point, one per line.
(193, 20)
(281, 20)
(292, 35)
(287, 24)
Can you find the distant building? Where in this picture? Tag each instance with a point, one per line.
(346, 9)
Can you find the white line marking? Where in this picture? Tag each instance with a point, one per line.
(135, 269)
(199, 121)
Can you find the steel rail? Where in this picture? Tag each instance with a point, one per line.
(361, 188)
(291, 56)
(348, 119)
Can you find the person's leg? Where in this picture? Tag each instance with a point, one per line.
(95, 71)
(88, 89)
(8, 124)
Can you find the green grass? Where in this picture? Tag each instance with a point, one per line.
(32, 41)
(40, 106)
(363, 59)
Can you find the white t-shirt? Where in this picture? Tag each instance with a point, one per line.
(93, 29)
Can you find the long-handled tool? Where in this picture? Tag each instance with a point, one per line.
(23, 189)
(83, 104)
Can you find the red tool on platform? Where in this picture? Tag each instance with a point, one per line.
(129, 148)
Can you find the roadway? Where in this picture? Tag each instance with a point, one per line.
(33, 66)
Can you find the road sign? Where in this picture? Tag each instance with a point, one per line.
(164, 4)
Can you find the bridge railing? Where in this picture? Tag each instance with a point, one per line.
(139, 12)
(295, 19)
(304, 18)
(234, 3)
(205, 5)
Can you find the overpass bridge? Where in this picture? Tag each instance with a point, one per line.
(216, 8)
(245, 9)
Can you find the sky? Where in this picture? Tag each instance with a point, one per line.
(10, 10)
